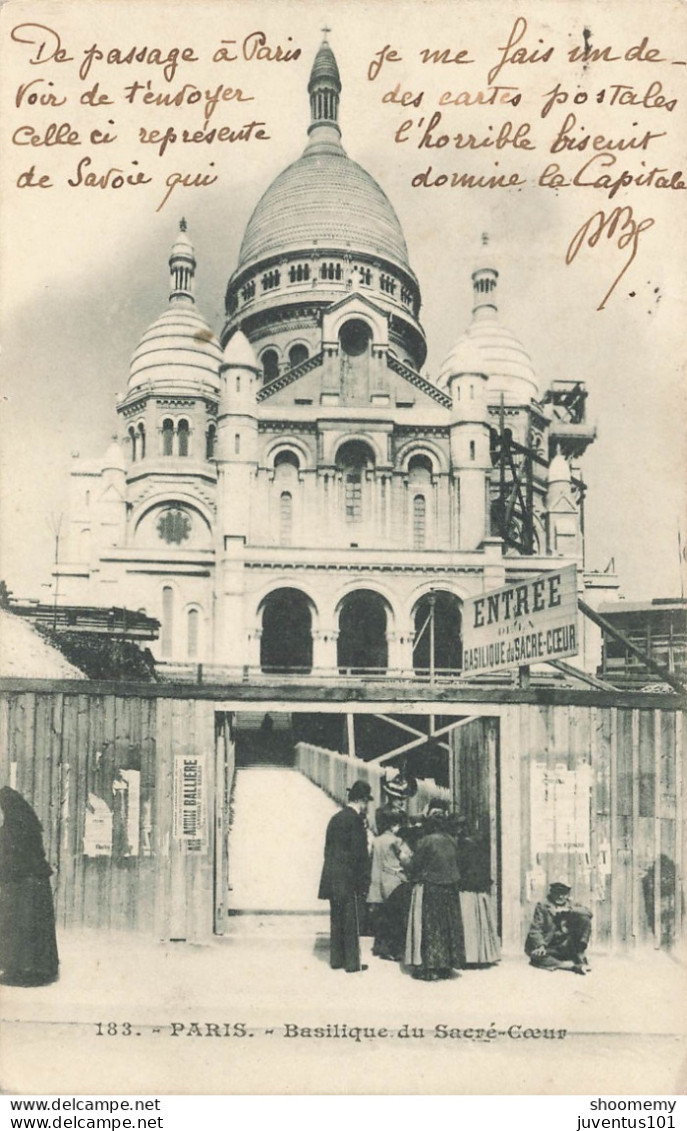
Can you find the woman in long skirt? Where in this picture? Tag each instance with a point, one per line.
(28, 948)
(434, 942)
(479, 930)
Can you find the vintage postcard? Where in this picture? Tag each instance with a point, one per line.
(343, 640)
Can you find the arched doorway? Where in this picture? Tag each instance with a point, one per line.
(286, 641)
(362, 640)
(437, 626)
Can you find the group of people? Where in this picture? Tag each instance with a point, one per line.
(423, 885)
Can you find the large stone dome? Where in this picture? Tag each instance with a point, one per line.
(323, 228)
(324, 200)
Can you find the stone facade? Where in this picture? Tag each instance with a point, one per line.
(298, 494)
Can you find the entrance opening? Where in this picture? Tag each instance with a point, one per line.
(362, 644)
(286, 774)
(286, 642)
(437, 624)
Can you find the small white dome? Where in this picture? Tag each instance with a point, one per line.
(178, 350)
(239, 352)
(114, 458)
(505, 361)
(465, 357)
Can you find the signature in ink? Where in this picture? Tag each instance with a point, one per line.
(618, 226)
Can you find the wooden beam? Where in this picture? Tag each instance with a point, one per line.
(402, 726)
(419, 742)
(379, 761)
(577, 673)
(350, 734)
(403, 697)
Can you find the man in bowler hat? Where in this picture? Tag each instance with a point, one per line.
(346, 877)
(559, 934)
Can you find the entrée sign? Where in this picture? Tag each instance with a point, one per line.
(526, 623)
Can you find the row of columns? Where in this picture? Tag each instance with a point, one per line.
(386, 503)
(324, 651)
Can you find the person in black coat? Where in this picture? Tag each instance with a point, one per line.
(28, 950)
(346, 878)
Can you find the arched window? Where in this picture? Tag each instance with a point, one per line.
(142, 440)
(182, 437)
(420, 470)
(286, 458)
(419, 522)
(210, 441)
(353, 458)
(192, 633)
(167, 637)
(167, 437)
(355, 336)
(285, 518)
(270, 365)
(132, 441)
(297, 354)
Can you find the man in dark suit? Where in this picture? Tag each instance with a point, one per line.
(346, 877)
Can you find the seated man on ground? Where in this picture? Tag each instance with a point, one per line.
(559, 933)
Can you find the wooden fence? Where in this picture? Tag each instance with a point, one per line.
(76, 758)
(132, 786)
(589, 794)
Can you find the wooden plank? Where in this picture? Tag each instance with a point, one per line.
(490, 729)
(511, 798)
(18, 741)
(40, 757)
(98, 872)
(680, 750)
(163, 817)
(614, 885)
(54, 778)
(29, 748)
(657, 817)
(65, 875)
(82, 787)
(5, 753)
(206, 721)
(635, 825)
(147, 863)
(601, 823)
(404, 695)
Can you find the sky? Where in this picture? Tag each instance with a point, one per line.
(84, 269)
